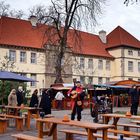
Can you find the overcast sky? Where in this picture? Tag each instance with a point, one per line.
(115, 14)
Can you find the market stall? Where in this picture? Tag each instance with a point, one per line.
(65, 87)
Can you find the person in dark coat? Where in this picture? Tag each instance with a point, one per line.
(46, 100)
(134, 93)
(20, 96)
(34, 99)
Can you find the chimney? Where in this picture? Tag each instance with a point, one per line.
(33, 20)
(102, 35)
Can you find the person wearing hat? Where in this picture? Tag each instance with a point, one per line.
(134, 93)
(77, 95)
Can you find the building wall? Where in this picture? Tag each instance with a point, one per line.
(120, 64)
(45, 68)
(135, 58)
(51, 53)
(27, 68)
(94, 72)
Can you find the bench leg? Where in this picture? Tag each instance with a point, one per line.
(126, 128)
(3, 127)
(69, 136)
(19, 125)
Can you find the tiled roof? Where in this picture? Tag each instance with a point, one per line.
(89, 45)
(119, 37)
(19, 32)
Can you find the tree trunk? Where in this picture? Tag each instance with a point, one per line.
(60, 56)
(58, 70)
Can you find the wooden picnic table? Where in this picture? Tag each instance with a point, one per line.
(90, 127)
(116, 117)
(29, 112)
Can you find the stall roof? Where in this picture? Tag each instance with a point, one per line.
(108, 86)
(123, 82)
(62, 86)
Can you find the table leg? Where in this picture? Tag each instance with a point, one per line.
(104, 134)
(40, 129)
(90, 135)
(53, 131)
(115, 124)
(106, 119)
(28, 119)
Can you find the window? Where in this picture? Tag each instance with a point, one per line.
(90, 63)
(100, 64)
(74, 80)
(23, 74)
(130, 52)
(33, 58)
(107, 79)
(22, 56)
(130, 78)
(33, 76)
(12, 55)
(138, 53)
(82, 79)
(82, 62)
(90, 80)
(107, 65)
(130, 66)
(100, 80)
(138, 66)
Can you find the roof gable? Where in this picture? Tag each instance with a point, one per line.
(119, 37)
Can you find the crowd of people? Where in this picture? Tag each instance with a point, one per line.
(76, 93)
(16, 98)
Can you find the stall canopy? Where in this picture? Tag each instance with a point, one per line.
(10, 76)
(62, 86)
(95, 86)
(123, 82)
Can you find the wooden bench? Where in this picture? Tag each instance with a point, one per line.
(47, 125)
(128, 126)
(125, 133)
(136, 122)
(69, 135)
(25, 137)
(3, 125)
(19, 120)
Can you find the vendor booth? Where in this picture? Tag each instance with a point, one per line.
(65, 87)
(118, 90)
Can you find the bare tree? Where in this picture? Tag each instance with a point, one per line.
(4, 8)
(17, 14)
(39, 11)
(130, 1)
(6, 64)
(6, 11)
(62, 16)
